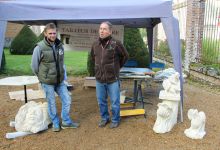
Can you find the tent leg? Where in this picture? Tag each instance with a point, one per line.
(3, 25)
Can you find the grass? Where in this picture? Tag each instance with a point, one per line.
(210, 51)
(202, 83)
(75, 61)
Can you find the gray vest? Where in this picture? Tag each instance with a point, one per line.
(51, 64)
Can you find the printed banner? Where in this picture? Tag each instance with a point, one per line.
(82, 36)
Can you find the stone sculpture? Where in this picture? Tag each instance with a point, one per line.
(171, 88)
(168, 110)
(31, 118)
(197, 129)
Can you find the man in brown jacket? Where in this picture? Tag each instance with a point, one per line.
(109, 56)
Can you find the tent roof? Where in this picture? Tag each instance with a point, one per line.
(131, 13)
(138, 13)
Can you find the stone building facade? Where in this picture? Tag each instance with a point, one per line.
(12, 30)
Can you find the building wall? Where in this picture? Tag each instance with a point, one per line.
(12, 30)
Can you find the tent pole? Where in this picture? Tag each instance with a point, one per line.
(150, 42)
(171, 28)
(3, 25)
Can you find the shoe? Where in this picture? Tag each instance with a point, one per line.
(114, 125)
(73, 125)
(103, 123)
(56, 128)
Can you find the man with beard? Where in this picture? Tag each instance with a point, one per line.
(48, 65)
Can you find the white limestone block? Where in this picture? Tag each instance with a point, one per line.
(122, 96)
(32, 117)
(13, 135)
(122, 99)
(197, 128)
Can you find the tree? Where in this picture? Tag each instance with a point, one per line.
(40, 37)
(24, 42)
(135, 46)
(90, 65)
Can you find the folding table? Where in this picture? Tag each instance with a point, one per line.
(20, 81)
(137, 74)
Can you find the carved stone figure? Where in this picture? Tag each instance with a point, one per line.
(168, 110)
(171, 88)
(32, 117)
(197, 129)
(166, 116)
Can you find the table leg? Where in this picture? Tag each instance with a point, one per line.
(135, 91)
(139, 94)
(25, 94)
(134, 112)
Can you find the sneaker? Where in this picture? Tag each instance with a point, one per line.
(56, 128)
(114, 125)
(103, 123)
(73, 125)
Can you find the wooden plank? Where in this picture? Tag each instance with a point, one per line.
(127, 105)
(18, 95)
(132, 112)
(31, 94)
(89, 82)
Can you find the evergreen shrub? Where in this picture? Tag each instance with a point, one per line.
(24, 42)
(136, 47)
(90, 66)
(40, 37)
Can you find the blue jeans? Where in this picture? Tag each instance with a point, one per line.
(62, 91)
(102, 92)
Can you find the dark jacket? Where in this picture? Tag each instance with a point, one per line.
(109, 57)
(51, 64)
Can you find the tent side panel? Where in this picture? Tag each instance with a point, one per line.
(3, 25)
(171, 28)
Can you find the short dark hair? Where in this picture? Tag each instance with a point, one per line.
(108, 23)
(50, 26)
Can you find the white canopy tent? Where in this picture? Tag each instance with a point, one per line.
(130, 13)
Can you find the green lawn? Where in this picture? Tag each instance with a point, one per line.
(75, 61)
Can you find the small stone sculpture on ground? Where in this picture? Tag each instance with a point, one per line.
(197, 129)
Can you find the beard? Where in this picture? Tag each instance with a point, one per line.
(51, 40)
